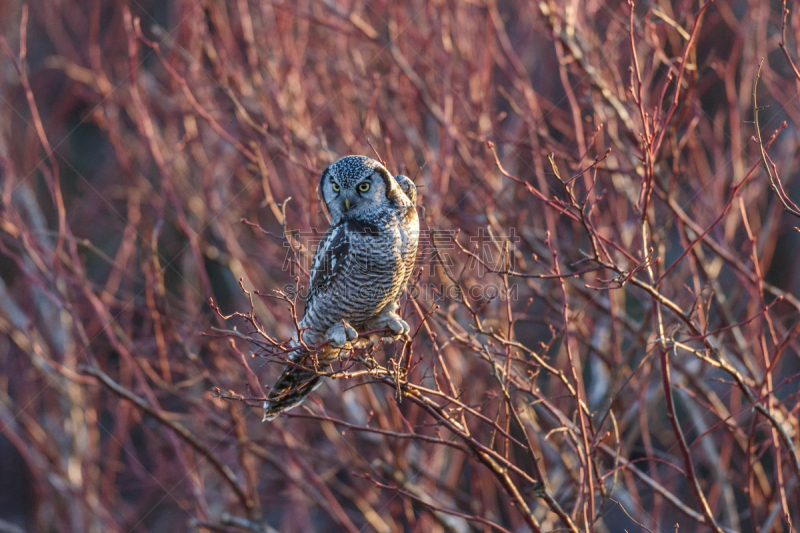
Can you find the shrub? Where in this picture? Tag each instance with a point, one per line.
(604, 314)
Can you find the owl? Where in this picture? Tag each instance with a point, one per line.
(358, 273)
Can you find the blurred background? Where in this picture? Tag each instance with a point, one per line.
(604, 342)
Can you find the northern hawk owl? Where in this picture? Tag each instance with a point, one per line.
(358, 274)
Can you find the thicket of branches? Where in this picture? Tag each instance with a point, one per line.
(604, 315)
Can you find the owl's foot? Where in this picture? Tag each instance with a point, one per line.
(341, 334)
(397, 326)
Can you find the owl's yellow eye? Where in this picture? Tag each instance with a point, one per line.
(364, 187)
(335, 187)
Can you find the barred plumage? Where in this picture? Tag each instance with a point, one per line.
(359, 270)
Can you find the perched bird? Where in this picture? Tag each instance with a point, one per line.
(358, 274)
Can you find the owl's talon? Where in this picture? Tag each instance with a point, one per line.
(342, 334)
(398, 328)
(389, 319)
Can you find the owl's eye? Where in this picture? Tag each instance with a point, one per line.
(364, 187)
(335, 187)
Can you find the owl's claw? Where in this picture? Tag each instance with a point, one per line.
(390, 320)
(398, 327)
(342, 334)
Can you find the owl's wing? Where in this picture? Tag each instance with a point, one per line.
(329, 260)
(408, 187)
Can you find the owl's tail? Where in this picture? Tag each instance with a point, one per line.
(293, 386)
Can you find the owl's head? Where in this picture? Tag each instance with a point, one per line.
(359, 187)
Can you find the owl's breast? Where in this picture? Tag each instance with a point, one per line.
(363, 266)
(379, 247)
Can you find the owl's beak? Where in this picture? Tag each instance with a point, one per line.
(347, 204)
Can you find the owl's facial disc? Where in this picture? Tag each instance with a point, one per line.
(355, 187)
(346, 199)
(354, 197)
